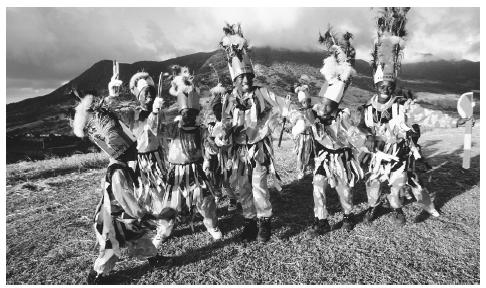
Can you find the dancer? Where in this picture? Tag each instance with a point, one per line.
(337, 140)
(217, 156)
(187, 185)
(119, 219)
(391, 138)
(147, 124)
(304, 140)
(253, 112)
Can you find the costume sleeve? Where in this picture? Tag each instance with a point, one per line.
(227, 110)
(358, 119)
(280, 103)
(171, 129)
(207, 146)
(349, 121)
(429, 118)
(127, 116)
(400, 117)
(124, 195)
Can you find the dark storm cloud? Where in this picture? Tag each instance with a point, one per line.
(48, 46)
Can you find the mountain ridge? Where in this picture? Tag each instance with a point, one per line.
(277, 68)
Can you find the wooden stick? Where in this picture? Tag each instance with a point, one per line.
(281, 132)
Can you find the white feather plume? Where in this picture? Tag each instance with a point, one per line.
(345, 71)
(218, 89)
(179, 85)
(81, 116)
(330, 69)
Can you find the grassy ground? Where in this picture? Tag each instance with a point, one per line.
(33, 170)
(50, 241)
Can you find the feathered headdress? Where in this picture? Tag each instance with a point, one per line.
(236, 48)
(102, 127)
(338, 63)
(182, 87)
(388, 49)
(139, 81)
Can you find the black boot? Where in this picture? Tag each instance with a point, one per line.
(320, 226)
(264, 229)
(250, 231)
(398, 217)
(348, 222)
(159, 261)
(94, 278)
(371, 214)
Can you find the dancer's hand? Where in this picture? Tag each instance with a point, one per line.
(158, 103)
(114, 86)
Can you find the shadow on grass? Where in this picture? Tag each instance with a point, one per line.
(227, 222)
(133, 274)
(449, 179)
(293, 207)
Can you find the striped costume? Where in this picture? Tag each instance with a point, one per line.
(395, 153)
(187, 185)
(252, 118)
(302, 119)
(336, 164)
(148, 127)
(120, 221)
(217, 159)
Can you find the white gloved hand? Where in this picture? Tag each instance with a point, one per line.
(158, 103)
(286, 107)
(114, 86)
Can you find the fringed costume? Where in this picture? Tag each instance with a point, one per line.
(187, 185)
(337, 139)
(252, 115)
(385, 117)
(303, 117)
(218, 146)
(147, 123)
(119, 221)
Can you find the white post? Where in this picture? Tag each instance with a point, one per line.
(466, 160)
(465, 106)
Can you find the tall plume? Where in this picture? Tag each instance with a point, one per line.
(390, 41)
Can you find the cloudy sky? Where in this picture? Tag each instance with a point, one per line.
(47, 47)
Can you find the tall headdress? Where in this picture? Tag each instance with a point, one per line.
(182, 87)
(139, 82)
(102, 127)
(338, 64)
(236, 49)
(388, 48)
